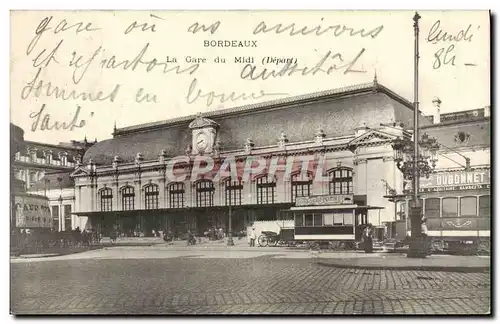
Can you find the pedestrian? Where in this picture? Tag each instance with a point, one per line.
(252, 237)
(425, 234)
(368, 239)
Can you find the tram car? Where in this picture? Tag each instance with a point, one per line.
(327, 219)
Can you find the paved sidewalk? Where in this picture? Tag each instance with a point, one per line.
(449, 263)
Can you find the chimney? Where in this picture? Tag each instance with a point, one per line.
(437, 113)
(487, 111)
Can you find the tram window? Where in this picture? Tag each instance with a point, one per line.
(468, 206)
(328, 219)
(484, 206)
(348, 219)
(432, 207)
(318, 220)
(308, 220)
(450, 207)
(299, 220)
(338, 219)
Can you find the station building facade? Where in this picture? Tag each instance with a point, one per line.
(123, 183)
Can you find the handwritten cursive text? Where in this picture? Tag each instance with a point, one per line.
(194, 94)
(336, 30)
(251, 72)
(44, 123)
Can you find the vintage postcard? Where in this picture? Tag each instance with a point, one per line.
(250, 162)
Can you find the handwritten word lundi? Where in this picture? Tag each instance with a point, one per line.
(194, 94)
(62, 26)
(131, 64)
(44, 123)
(251, 72)
(39, 88)
(437, 34)
(335, 30)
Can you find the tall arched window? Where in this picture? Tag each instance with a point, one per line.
(106, 199)
(205, 193)
(176, 195)
(301, 185)
(233, 191)
(266, 190)
(340, 181)
(128, 198)
(151, 193)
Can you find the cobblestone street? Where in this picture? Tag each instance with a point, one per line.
(259, 285)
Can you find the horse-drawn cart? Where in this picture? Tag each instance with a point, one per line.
(284, 237)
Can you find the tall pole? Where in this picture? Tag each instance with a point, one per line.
(416, 113)
(416, 249)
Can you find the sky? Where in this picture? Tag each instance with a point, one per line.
(88, 53)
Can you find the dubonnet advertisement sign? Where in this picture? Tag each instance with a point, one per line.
(458, 180)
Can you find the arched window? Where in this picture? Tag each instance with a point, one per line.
(205, 193)
(266, 190)
(106, 199)
(301, 185)
(176, 195)
(128, 198)
(151, 193)
(233, 190)
(340, 181)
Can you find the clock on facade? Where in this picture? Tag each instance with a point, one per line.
(204, 133)
(202, 142)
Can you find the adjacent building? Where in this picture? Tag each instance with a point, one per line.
(44, 169)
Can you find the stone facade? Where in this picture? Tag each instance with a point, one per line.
(351, 139)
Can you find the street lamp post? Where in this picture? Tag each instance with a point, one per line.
(415, 164)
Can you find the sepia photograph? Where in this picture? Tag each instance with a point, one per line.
(250, 162)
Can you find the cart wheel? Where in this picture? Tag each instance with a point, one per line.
(263, 241)
(273, 242)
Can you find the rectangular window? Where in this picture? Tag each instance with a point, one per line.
(450, 207)
(484, 206)
(67, 217)
(318, 220)
(55, 217)
(348, 219)
(299, 220)
(338, 219)
(328, 219)
(432, 207)
(468, 206)
(308, 220)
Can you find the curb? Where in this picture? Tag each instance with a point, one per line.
(51, 255)
(406, 268)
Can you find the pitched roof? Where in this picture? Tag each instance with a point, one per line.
(337, 112)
